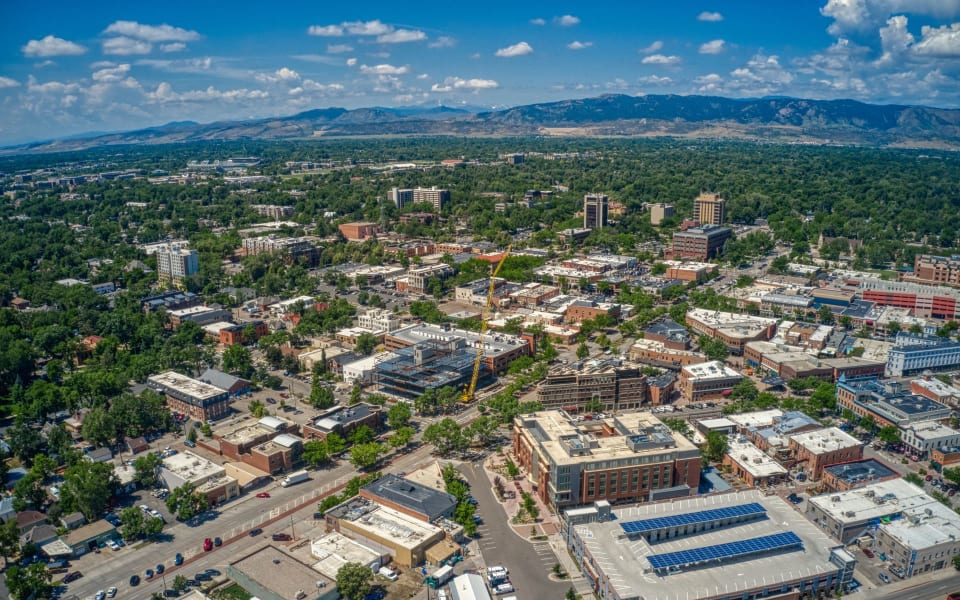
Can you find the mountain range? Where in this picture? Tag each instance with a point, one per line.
(766, 119)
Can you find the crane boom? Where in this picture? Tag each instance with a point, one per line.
(472, 387)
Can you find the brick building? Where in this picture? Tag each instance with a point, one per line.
(707, 381)
(700, 243)
(201, 401)
(817, 449)
(627, 458)
(343, 420)
(616, 388)
(358, 232)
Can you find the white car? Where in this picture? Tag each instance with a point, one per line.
(112, 545)
(506, 588)
(100, 595)
(111, 592)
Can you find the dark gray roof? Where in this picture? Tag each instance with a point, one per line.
(219, 379)
(861, 471)
(413, 496)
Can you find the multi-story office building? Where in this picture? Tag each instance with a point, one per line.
(887, 402)
(709, 209)
(627, 458)
(927, 301)
(499, 349)
(659, 212)
(936, 270)
(293, 250)
(700, 243)
(920, 542)
(734, 330)
(595, 211)
(201, 401)
(437, 197)
(418, 279)
(742, 546)
(707, 381)
(358, 232)
(915, 354)
(817, 449)
(922, 438)
(175, 264)
(615, 388)
(378, 319)
(273, 211)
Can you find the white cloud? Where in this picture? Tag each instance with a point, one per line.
(52, 46)
(451, 84)
(653, 47)
(124, 46)
(655, 80)
(660, 59)
(43, 64)
(575, 45)
(567, 20)
(313, 86)
(518, 49)
(325, 30)
(538, 21)
(165, 94)
(443, 41)
(173, 47)
(383, 55)
(712, 47)
(339, 48)
(864, 15)
(151, 33)
(384, 70)
(401, 35)
(111, 74)
(6, 82)
(711, 17)
(711, 83)
(351, 62)
(375, 27)
(939, 42)
(617, 84)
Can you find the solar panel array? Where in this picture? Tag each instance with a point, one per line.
(703, 516)
(741, 548)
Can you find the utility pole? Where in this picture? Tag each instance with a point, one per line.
(293, 535)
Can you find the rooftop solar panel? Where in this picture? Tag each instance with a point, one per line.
(741, 548)
(703, 516)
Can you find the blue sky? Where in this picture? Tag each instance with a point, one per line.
(121, 65)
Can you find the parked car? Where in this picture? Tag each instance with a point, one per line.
(271, 400)
(255, 532)
(207, 545)
(213, 572)
(884, 578)
(134, 580)
(263, 495)
(217, 542)
(281, 537)
(100, 595)
(111, 592)
(868, 552)
(178, 559)
(159, 569)
(202, 577)
(148, 574)
(72, 576)
(190, 444)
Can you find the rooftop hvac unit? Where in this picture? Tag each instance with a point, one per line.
(928, 511)
(871, 493)
(835, 499)
(850, 513)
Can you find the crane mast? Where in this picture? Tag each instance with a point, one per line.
(472, 387)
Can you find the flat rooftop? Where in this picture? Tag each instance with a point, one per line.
(494, 344)
(759, 418)
(342, 415)
(873, 501)
(185, 385)
(753, 460)
(731, 324)
(821, 441)
(244, 434)
(420, 498)
(926, 530)
(334, 550)
(931, 430)
(385, 523)
(188, 466)
(280, 573)
(626, 565)
(862, 470)
(710, 370)
(598, 440)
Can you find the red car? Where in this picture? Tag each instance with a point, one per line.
(284, 395)
(868, 552)
(263, 495)
(207, 545)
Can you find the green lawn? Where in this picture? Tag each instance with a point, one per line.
(233, 592)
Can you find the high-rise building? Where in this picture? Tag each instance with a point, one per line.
(709, 209)
(659, 212)
(595, 210)
(700, 243)
(175, 264)
(292, 250)
(433, 195)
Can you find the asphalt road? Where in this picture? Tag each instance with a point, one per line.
(529, 564)
(931, 590)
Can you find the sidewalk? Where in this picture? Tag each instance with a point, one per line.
(547, 526)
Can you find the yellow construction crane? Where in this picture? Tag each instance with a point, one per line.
(468, 393)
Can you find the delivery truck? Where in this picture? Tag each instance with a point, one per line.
(295, 478)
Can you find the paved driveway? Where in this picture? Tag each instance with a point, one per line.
(530, 564)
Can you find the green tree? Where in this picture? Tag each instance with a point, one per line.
(320, 396)
(745, 390)
(132, 524)
(582, 351)
(186, 502)
(99, 427)
(29, 491)
(366, 342)
(179, 583)
(401, 437)
(9, 540)
(335, 444)
(678, 425)
(716, 446)
(87, 487)
(572, 595)
(147, 469)
(889, 434)
(362, 435)
(237, 360)
(353, 581)
(24, 438)
(364, 456)
(355, 393)
(446, 436)
(28, 583)
(257, 408)
(713, 349)
(315, 452)
(152, 527)
(399, 415)
(868, 423)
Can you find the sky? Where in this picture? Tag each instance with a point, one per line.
(70, 68)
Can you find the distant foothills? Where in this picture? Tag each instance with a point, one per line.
(778, 120)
